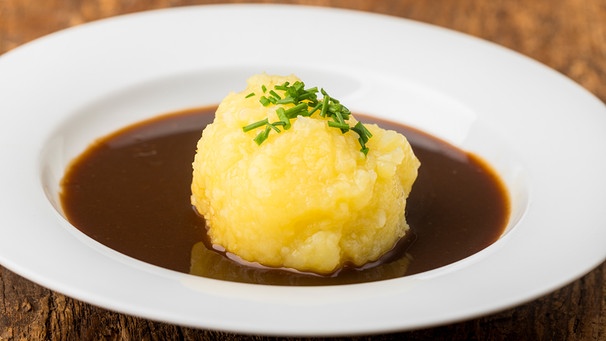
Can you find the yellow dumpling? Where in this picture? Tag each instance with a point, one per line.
(305, 198)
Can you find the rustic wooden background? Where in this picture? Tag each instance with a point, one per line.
(567, 35)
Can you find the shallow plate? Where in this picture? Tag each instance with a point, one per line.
(544, 135)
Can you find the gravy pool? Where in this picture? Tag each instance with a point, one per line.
(131, 192)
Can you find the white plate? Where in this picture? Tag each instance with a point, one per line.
(545, 135)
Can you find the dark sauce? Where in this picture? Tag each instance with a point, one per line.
(131, 192)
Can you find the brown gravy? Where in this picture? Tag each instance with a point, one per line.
(130, 191)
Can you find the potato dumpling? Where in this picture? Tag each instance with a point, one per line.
(306, 198)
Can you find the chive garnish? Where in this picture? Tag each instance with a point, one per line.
(264, 100)
(306, 103)
(343, 126)
(262, 136)
(283, 117)
(255, 125)
(275, 95)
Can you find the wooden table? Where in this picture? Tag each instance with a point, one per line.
(567, 35)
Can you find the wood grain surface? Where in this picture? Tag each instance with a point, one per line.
(567, 35)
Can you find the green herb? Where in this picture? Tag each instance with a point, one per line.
(264, 100)
(255, 125)
(306, 103)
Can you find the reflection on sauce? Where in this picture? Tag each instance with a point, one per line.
(131, 192)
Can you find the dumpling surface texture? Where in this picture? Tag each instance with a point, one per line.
(306, 198)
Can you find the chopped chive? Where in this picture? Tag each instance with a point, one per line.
(305, 103)
(286, 100)
(339, 117)
(275, 125)
(343, 126)
(283, 86)
(324, 106)
(362, 130)
(274, 94)
(315, 108)
(283, 118)
(262, 136)
(292, 112)
(255, 125)
(265, 101)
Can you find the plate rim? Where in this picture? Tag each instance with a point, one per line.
(339, 327)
